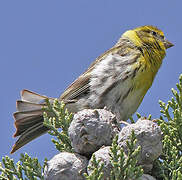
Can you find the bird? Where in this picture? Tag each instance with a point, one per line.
(118, 80)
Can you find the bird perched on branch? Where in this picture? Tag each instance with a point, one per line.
(118, 80)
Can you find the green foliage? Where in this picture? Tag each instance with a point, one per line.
(60, 119)
(30, 168)
(132, 121)
(26, 168)
(169, 166)
(125, 166)
(97, 168)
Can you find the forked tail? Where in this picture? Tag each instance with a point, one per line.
(29, 118)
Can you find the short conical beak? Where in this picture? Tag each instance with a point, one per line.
(167, 44)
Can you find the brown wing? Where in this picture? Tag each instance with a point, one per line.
(77, 88)
(81, 85)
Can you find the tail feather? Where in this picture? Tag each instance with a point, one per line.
(30, 96)
(29, 118)
(27, 106)
(24, 124)
(30, 134)
(20, 115)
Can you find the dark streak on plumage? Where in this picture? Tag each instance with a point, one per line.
(135, 71)
(127, 93)
(141, 50)
(125, 75)
(157, 45)
(103, 79)
(147, 47)
(109, 88)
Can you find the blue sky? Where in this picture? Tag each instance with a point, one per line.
(45, 45)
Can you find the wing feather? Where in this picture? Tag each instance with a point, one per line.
(77, 88)
(81, 85)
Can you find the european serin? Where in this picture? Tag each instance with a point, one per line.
(118, 80)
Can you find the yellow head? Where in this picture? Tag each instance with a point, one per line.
(151, 42)
(148, 36)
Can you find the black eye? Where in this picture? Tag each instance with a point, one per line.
(154, 33)
(162, 37)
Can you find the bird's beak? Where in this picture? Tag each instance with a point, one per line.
(167, 44)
